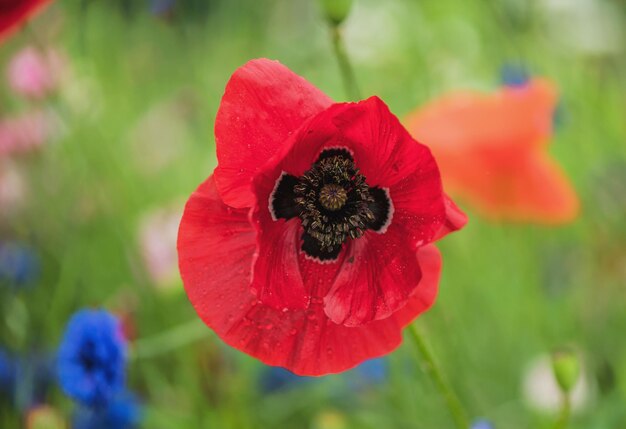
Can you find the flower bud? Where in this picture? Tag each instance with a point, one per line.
(566, 368)
(336, 11)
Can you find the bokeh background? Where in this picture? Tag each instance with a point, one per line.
(90, 204)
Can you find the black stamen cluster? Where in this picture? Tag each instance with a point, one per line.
(333, 201)
(330, 226)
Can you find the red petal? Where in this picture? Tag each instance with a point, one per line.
(492, 152)
(383, 150)
(513, 117)
(216, 245)
(264, 103)
(385, 272)
(215, 248)
(424, 295)
(455, 218)
(15, 12)
(277, 281)
(378, 275)
(532, 188)
(390, 158)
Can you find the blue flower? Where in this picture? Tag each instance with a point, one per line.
(514, 75)
(275, 378)
(370, 372)
(122, 412)
(35, 374)
(162, 7)
(19, 264)
(7, 372)
(92, 358)
(482, 424)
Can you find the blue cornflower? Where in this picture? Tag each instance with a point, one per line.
(514, 75)
(482, 424)
(162, 7)
(7, 372)
(26, 379)
(34, 375)
(122, 412)
(92, 358)
(370, 372)
(19, 264)
(275, 378)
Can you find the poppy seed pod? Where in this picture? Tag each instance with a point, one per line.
(336, 11)
(566, 367)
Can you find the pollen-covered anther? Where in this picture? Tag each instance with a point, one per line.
(333, 201)
(333, 197)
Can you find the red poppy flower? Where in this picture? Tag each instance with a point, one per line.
(310, 245)
(15, 12)
(493, 151)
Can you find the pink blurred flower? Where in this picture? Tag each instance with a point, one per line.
(34, 73)
(157, 240)
(26, 132)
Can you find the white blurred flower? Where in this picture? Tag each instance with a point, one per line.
(542, 393)
(158, 231)
(586, 26)
(372, 33)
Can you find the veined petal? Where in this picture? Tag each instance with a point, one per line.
(216, 245)
(215, 248)
(263, 104)
(455, 218)
(378, 275)
(384, 151)
(424, 295)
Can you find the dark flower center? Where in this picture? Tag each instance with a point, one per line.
(334, 203)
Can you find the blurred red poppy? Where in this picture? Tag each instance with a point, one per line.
(13, 13)
(310, 245)
(493, 151)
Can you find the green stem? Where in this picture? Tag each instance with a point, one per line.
(566, 410)
(431, 368)
(169, 340)
(347, 73)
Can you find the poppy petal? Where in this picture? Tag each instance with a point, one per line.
(385, 154)
(263, 104)
(492, 151)
(384, 151)
(513, 117)
(216, 246)
(455, 218)
(276, 280)
(533, 189)
(378, 275)
(424, 296)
